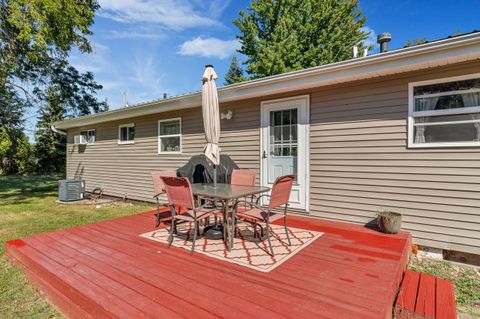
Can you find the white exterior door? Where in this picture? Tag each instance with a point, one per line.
(284, 145)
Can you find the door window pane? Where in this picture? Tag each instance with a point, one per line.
(294, 116)
(286, 133)
(277, 134)
(277, 116)
(286, 117)
(283, 131)
(283, 143)
(294, 133)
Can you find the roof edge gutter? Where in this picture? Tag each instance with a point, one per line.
(61, 132)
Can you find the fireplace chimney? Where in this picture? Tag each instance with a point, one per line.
(383, 40)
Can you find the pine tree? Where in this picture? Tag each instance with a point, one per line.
(235, 73)
(278, 36)
(50, 148)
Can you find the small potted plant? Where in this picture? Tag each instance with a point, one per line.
(389, 222)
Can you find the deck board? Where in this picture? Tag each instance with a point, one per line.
(106, 270)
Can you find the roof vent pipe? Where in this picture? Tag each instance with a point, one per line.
(383, 40)
(355, 51)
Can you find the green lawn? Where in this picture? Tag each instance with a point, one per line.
(27, 207)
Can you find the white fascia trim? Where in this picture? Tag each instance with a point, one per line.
(434, 54)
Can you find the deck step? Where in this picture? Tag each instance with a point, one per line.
(425, 296)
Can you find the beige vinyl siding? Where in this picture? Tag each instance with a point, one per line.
(124, 170)
(359, 160)
(360, 163)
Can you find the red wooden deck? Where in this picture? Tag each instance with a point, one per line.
(106, 270)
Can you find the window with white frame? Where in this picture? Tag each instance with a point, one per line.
(445, 112)
(88, 136)
(170, 136)
(126, 133)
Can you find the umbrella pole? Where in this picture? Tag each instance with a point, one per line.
(214, 175)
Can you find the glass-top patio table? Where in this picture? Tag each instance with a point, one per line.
(227, 194)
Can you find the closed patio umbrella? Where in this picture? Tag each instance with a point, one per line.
(211, 118)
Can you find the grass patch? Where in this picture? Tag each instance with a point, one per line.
(465, 279)
(27, 207)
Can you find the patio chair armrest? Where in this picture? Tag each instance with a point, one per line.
(259, 197)
(247, 203)
(156, 195)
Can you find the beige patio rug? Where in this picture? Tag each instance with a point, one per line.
(247, 251)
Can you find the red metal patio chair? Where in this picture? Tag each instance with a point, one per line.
(159, 187)
(246, 177)
(179, 193)
(279, 197)
(243, 177)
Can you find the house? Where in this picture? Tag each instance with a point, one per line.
(398, 130)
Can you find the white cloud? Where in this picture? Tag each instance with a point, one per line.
(172, 14)
(372, 38)
(145, 81)
(136, 34)
(209, 47)
(214, 8)
(93, 62)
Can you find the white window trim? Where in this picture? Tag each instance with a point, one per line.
(95, 134)
(412, 113)
(170, 135)
(119, 134)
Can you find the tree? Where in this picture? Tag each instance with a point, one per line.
(69, 94)
(11, 108)
(278, 36)
(50, 148)
(36, 37)
(235, 73)
(76, 91)
(416, 41)
(16, 153)
(33, 32)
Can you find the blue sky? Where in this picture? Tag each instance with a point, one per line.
(151, 47)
